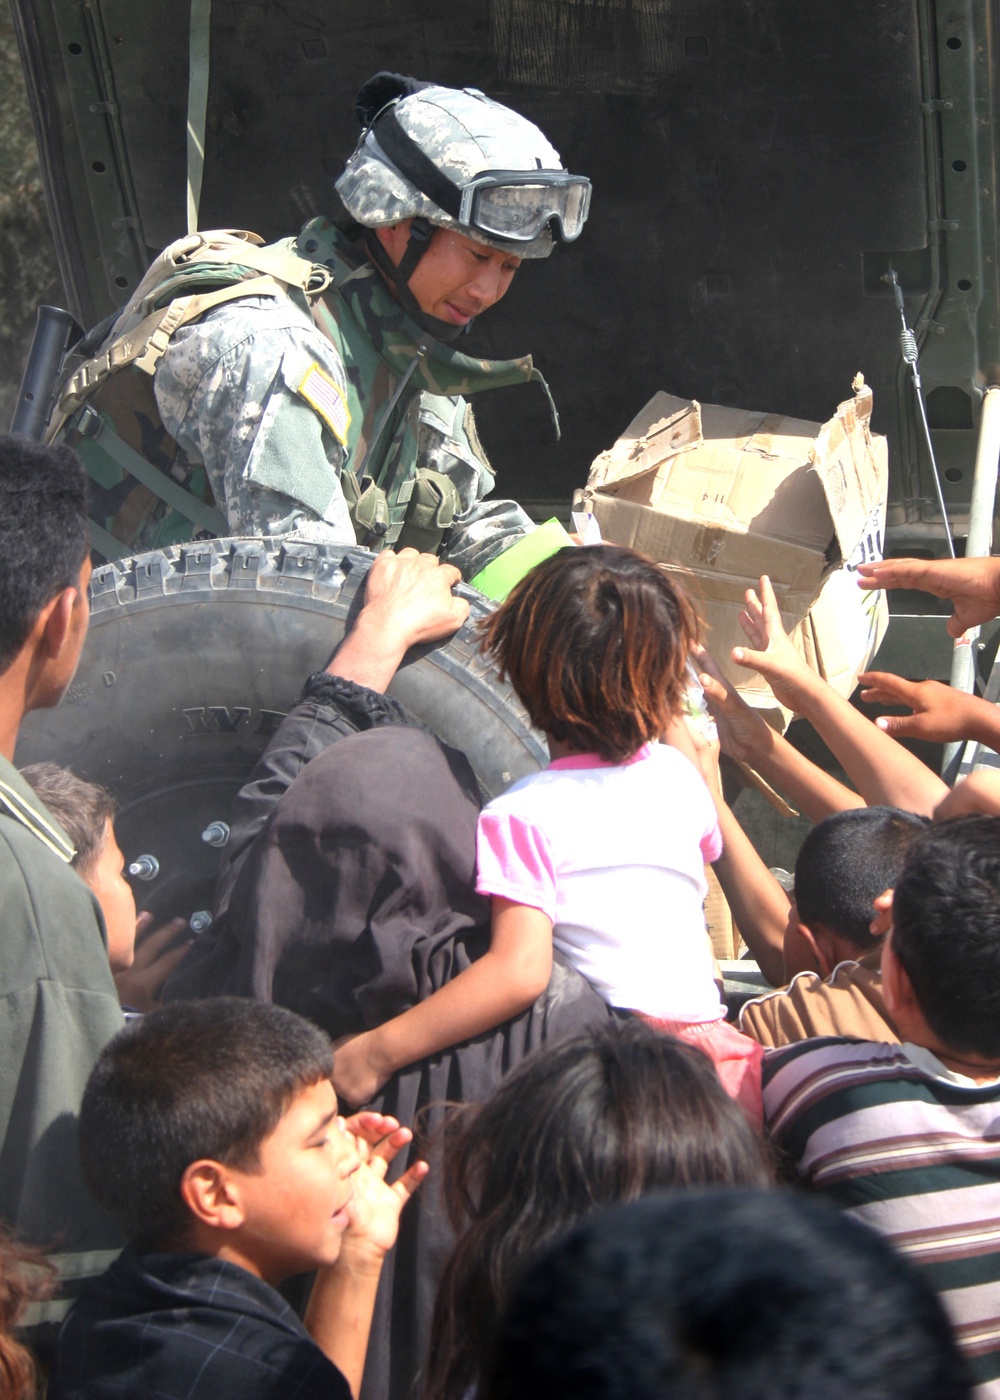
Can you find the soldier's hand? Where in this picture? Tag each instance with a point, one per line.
(411, 595)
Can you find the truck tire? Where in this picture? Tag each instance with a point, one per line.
(194, 655)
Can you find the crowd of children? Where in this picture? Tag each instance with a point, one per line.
(635, 1196)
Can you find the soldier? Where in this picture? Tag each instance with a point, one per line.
(341, 417)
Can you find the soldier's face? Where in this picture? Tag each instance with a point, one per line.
(456, 278)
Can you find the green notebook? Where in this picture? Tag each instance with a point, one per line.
(498, 578)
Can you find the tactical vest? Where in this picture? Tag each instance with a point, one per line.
(149, 494)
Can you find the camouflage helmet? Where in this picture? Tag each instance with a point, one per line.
(446, 140)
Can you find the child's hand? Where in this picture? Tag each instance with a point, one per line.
(940, 712)
(773, 654)
(743, 733)
(375, 1207)
(356, 1077)
(139, 986)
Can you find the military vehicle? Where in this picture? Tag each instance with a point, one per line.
(783, 194)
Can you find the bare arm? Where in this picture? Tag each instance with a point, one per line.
(883, 771)
(941, 713)
(747, 737)
(757, 902)
(504, 981)
(972, 585)
(979, 793)
(342, 1302)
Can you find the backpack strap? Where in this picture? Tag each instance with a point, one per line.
(144, 345)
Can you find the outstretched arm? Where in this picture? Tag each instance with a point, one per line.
(748, 738)
(503, 982)
(979, 793)
(972, 585)
(941, 713)
(758, 903)
(883, 771)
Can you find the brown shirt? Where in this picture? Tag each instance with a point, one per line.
(848, 1002)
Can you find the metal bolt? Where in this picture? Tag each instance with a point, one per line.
(216, 834)
(199, 921)
(145, 868)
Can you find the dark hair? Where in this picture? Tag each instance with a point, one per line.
(191, 1079)
(946, 931)
(26, 1276)
(744, 1294)
(44, 537)
(845, 862)
(83, 809)
(599, 1117)
(595, 642)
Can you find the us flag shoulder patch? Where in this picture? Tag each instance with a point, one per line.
(328, 399)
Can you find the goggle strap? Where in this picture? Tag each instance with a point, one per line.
(411, 162)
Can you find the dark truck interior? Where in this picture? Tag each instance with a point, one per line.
(760, 170)
(758, 167)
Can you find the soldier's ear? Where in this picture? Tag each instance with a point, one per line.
(394, 238)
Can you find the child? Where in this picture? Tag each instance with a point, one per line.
(86, 812)
(905, 1137)
(602, 854)
(209, 1130)
(605, 1116)
(832, 957)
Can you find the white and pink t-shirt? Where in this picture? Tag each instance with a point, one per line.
(614, 855)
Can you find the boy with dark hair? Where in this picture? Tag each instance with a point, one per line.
(210, 1131)
(86, 812)
(741, 1294)
(905, 1137)
(58, 1006)
(845, 862)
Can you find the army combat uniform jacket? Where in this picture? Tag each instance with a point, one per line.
(58, 1009)
(279, 400)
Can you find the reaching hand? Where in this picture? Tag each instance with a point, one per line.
(156, 956)
(744, 734)
(355, 1077)
(773, 654)
(972, 585)
(411, 595)
(941, 713)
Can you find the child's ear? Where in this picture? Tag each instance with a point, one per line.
(211, 1195)
(800, 950)
(897, 989)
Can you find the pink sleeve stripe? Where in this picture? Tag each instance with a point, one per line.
(514, 861)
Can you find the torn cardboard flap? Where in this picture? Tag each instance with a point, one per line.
(722, 495)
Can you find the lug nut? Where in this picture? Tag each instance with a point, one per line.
(199, 921)
(216, 834)
(145, 868)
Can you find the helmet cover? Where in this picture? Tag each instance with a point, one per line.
(463, 133)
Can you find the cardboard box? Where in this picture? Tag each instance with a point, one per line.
(722, 495)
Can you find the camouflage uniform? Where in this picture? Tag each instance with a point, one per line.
(277, 400)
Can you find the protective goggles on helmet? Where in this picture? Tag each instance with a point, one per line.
(519, 204)
(511, 205)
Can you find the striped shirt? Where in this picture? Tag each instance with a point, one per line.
(912, 1150)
